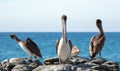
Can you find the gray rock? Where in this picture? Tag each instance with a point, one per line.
(22, 68)
(73, 68)
(51, 64)
(35, 63)
(16, 64)
(78, 60)
(10, 63)
(72, 60)
(18, 61)
(112, 66)
(6, 66)
(4, 63)
(61, 67)
(80, 64)
(79, 69)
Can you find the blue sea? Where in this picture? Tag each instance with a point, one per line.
(46, 42)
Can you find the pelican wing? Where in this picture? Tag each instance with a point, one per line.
(33, 47)
(57, 43)
(99, 45)
(70, 44)
(91, 47)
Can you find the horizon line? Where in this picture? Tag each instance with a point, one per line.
(55, 31)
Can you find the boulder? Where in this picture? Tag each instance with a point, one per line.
(22, 67)
(52, 64)
(78, 64)
(19, 64)
(98, 60)
(61, 67)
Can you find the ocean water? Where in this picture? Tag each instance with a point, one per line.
(46, 42)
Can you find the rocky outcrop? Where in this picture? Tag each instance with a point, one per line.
(19, 64)
(78, 64)
(52, 64)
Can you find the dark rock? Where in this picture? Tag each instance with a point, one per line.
(78, 60)
(112, 66)
(98, 60)
(51, 61)
(1, 67)
(35, 63)
(73, 68)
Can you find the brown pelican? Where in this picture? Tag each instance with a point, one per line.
(63, 50)
(74, 50)
(97, 42)
(28, 46)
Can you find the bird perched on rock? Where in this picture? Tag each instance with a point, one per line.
(63, 50)
(28, 46)
(97, 42)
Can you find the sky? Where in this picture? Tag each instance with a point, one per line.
(45, 15)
